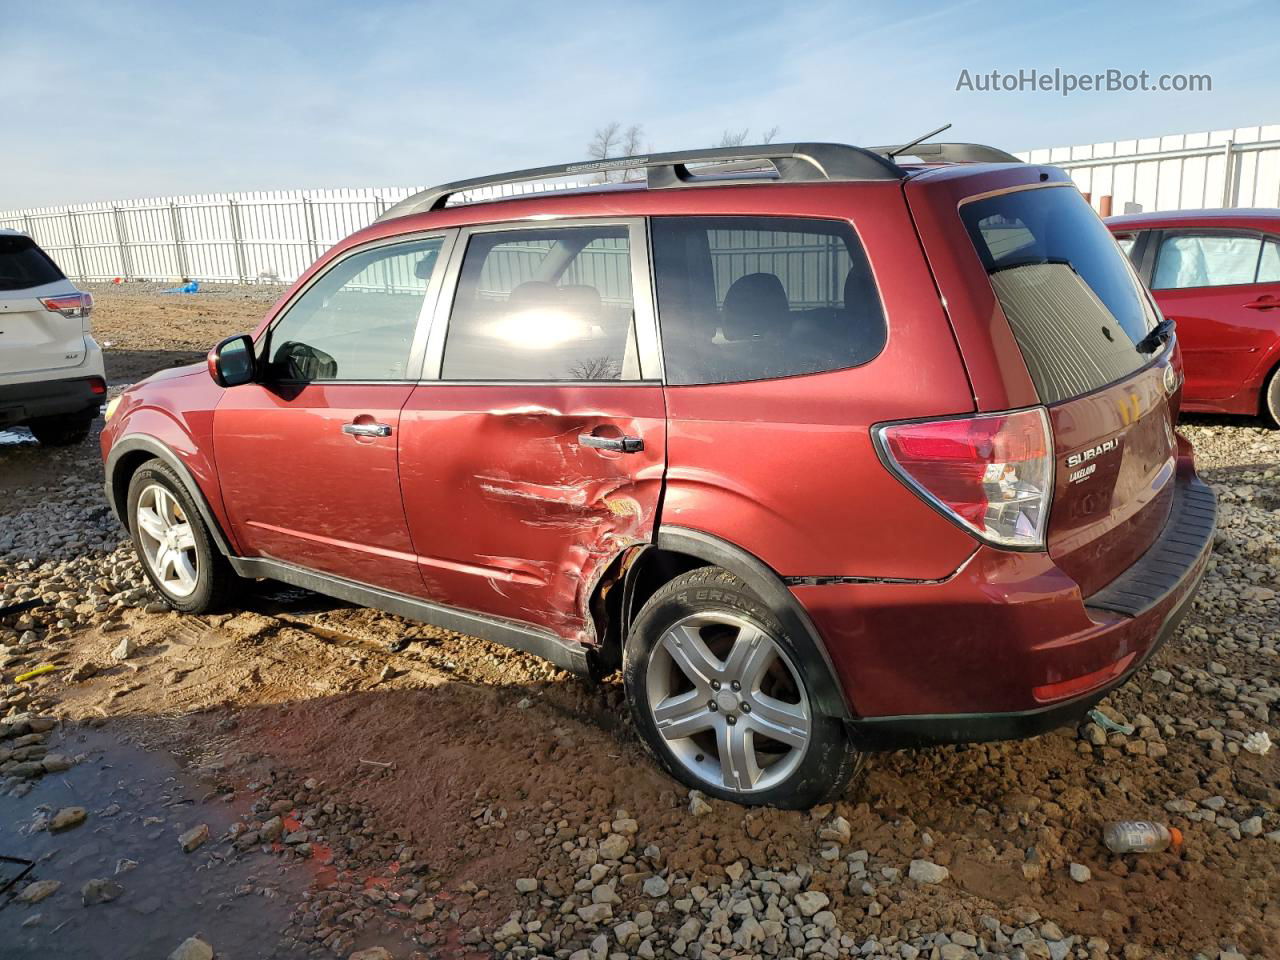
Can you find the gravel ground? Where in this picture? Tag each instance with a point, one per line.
(453, 797)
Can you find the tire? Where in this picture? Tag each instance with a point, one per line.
(66, 430)
(707, 624)
(1271, 398)
(177, 552)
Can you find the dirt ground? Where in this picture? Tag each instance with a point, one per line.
(430, 780)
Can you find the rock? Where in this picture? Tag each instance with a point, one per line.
(926, 871)
(124, 649)
(272, 829)
(100, 890)
(372, 953)
(55, 763)
(1080, 873)
(614, 847)
(595, 912)
(510, 930)
(655, 887)
(66, 818)
(526, 885)
(810, 902)
(698, 805)
(41, 889)
(192, 948)
(838, 830)
(1251, 827)
(194, 838)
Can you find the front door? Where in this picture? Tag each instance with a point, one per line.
(537, 456)
(308, 455)
(1222, 289)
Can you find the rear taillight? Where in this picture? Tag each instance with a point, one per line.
(992, 474)
(71, 305)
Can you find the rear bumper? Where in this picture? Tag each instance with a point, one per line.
(1007, 647)
(21, 402)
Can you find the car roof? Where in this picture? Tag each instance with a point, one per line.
(5, 231)
(1253, 217)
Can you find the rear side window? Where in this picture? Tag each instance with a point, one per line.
(1209, 260)
(544, 304)
(1269, 265)
(23, 264)
(752, 298)
(1075, 305)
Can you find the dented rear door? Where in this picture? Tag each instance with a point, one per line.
(535, 457)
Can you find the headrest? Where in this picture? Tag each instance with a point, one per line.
(755, 306)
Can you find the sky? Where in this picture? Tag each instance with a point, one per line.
(122, 100)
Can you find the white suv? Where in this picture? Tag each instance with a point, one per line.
(51, 375)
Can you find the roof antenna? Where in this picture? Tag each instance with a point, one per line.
(918, 140)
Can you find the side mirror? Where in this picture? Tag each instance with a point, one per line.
(231, 363)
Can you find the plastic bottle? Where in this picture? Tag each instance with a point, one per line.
(1140, 836)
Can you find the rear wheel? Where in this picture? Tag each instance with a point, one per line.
(175, 547)
(61, 431)
(723, 697)
(1271, 398)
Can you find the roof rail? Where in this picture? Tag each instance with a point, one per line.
(948, 152)
(792, 162)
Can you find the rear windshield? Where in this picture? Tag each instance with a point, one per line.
(23, 264)
(1076, 308)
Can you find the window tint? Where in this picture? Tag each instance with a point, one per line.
(1211, 260)
(1269, 265)
(544, 304)
(1071, 297)
(23, 264)
(357, 321)
(751, 298)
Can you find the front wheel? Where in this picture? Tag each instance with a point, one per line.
(723, 697)
(178, 555)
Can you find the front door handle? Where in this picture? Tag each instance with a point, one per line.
(1264, 303)
(620, 444)
(366, 429)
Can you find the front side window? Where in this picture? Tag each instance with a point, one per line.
(1207, 260)
(754, 298)
(544, 304)
(357, 321)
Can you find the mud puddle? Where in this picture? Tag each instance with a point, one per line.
(137, 804)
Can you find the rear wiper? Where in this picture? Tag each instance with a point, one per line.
(1031, 262)
(1156, 339)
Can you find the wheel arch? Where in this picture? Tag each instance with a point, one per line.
(676, 550)
(132, 452)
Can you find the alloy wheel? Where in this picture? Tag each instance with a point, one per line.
(728, 702)
(167, 540)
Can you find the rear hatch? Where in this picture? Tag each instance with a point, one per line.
(34, 338)
(1083, 324)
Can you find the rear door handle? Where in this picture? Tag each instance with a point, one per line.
(1264, 303)
(620, 444)
(366, 429)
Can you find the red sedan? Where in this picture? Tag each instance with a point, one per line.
(1216, 274)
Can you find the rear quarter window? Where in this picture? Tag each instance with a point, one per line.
(754, 298)
(24, 265)
(1076, 308)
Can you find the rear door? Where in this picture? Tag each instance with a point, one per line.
(1222, 288)
(34, 338)
(1072, 305)
(532, 454)
(307, 456)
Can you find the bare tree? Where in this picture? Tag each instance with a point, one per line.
(736, 138)
(596, 368)
(633, 141)
(611, 141)
(604, 144)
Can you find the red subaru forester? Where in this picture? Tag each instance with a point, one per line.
(826, 450)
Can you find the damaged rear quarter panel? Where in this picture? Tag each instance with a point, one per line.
(510, 515)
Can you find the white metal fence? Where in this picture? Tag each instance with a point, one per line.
(1221, 168)
(274, 236)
